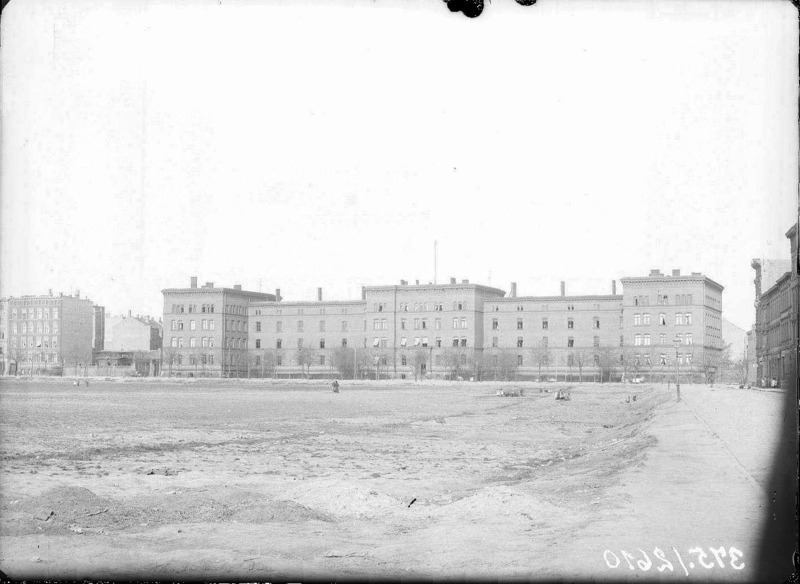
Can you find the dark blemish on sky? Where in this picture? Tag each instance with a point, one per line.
(473, 8)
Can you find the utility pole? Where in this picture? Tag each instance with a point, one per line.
(677, 343)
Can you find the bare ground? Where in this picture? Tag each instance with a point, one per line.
(256, 480)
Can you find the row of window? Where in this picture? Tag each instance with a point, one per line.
(663, 299)
(683, 358)
(35, 343)
(38, 313)
(681, 318)
(644, 339)
(546, 323)
(192, 308)
(205, 324)
(423, 306)
(177, 342)
(31, 327)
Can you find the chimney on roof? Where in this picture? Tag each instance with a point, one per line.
(513, 293)
(77, 293)
(465, 281)
(452, 280)
(403, 283)
(49, 291)
(655, 272)
(563, 288)
(277, 294)
(319, 294)
(193, 282)
(237, 286)
(676, 272)
(613, 287)
(363, 292)
(696, 274)
(417, 282)
(129, 313)
(209, 284)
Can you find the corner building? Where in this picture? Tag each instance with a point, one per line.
(673, 322)
(205, 330)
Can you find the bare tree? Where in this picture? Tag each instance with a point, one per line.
(608, 359)
(344, 362)
(15, 356)
(629, 362)
(581, 358)
(542, 355)
(269, 360)
(168, 355)
(306, 356)
(419, 358)
(451, 358)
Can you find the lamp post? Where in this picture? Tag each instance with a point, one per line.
(677, 343)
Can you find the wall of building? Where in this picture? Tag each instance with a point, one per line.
(671, 308)
(205, 330)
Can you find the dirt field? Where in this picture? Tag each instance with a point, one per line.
(267, 481)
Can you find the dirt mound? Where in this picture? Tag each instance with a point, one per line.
(342, 499)
(503, 504)
(66, 503)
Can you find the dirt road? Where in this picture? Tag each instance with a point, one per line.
(263, 481)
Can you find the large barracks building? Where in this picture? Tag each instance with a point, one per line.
(661, 325)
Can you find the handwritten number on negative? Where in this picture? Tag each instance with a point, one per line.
(701, 556)
(628, 557)
(735, 555)
(644, 564)
(659, 553)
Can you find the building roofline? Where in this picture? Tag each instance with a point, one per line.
(204, 290)
(275, 303)
(668, 278)
(557, 298)
(476, 287)
(785, 276)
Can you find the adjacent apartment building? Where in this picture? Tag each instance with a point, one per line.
(776, 319)
(46, 333)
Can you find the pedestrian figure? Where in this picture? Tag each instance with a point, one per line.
(335, 385)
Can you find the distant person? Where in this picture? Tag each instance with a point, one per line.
(335, 385)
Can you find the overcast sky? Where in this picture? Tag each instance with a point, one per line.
(304, 144)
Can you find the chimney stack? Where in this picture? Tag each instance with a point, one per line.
(403, 283)
(655, 272)
(209, 284)
(563, 288)
(319, 294)
(237, 286)
(465, 281)
(363, 292)
(277, 294)
(513, 290)
(613, 287)
(193, 282)
(49, 291)
(676, 272)
(452, 280)
(129, 313)
(417, 282)
(77, 293)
